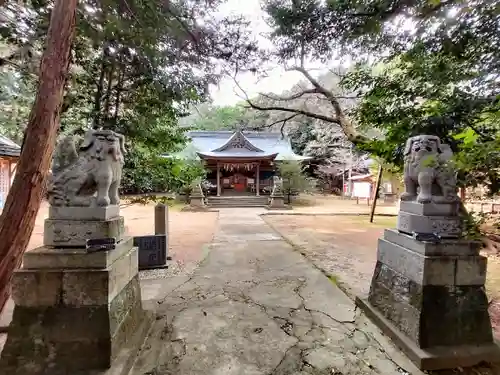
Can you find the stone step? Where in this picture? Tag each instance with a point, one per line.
(237, 204)
(237, 201)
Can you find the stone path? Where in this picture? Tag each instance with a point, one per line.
(255, 306)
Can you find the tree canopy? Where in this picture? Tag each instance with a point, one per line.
(420, 67)
(136, 66)
(424, 66)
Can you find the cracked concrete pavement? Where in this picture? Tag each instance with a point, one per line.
(254, 306)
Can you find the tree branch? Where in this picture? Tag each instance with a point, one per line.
(292, 110)
(291, 97)
(346, 125)
(340, 119)
(283, 123)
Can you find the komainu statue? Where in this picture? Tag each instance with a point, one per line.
(89, 176)
(428, 175)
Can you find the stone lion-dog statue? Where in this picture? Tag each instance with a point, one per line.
(91, 175)
(428, 175)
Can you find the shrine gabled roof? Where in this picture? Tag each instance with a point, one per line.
(236, 142)
(8, 147)
(239, 144)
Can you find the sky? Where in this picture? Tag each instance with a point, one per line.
(278, 80)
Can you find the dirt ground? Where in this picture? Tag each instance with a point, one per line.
(345, 247)
(333, 204)
(189, 232)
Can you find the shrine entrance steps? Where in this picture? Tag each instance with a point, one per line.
(238, 201)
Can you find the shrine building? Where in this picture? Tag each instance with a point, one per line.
(240, 162)
(9, 156)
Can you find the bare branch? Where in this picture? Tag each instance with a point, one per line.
(291, 97)
(127, 5)
(293, 110)
(340, 117)
(283, 121)
(283, 109)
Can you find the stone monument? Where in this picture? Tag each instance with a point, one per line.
(76, 310)
(277, 198)
(427, 292)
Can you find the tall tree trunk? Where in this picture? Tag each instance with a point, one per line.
(98, 95)
(21, 208)
(97, 110)
(107, 97)
(119, 89)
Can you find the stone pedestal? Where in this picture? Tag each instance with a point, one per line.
(430, 297)
(197, 201)
(430, 218)
(73, 226)
(74, 311)
(390, 198)
(277, 202)
(197, 198)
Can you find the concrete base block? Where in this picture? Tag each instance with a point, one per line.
(197, 201)
(446, 226)
(72, 320)
(431, 315)
(277, 202)
(456, 247)
(430, 209)
(84, 213)
(433, 358)
(74, 287)
(75, 233)
(70, 258)
(433, 270)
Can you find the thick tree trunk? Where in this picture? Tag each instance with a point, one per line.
(119, 89)
(19, 214)
(98, 97)
(107, 98)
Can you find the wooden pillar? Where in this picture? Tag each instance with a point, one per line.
(11, 173)
(218, 179)
(257, 179)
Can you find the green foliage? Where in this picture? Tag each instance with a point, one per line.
(295, 181)
(147, 172)
(16, 98)
(208, 117)
(472, 222)
(220, 118)
(423, 67)
(390, 172)
(137, 66)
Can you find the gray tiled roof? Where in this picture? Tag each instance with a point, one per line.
(9, 148)
(206, 142)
